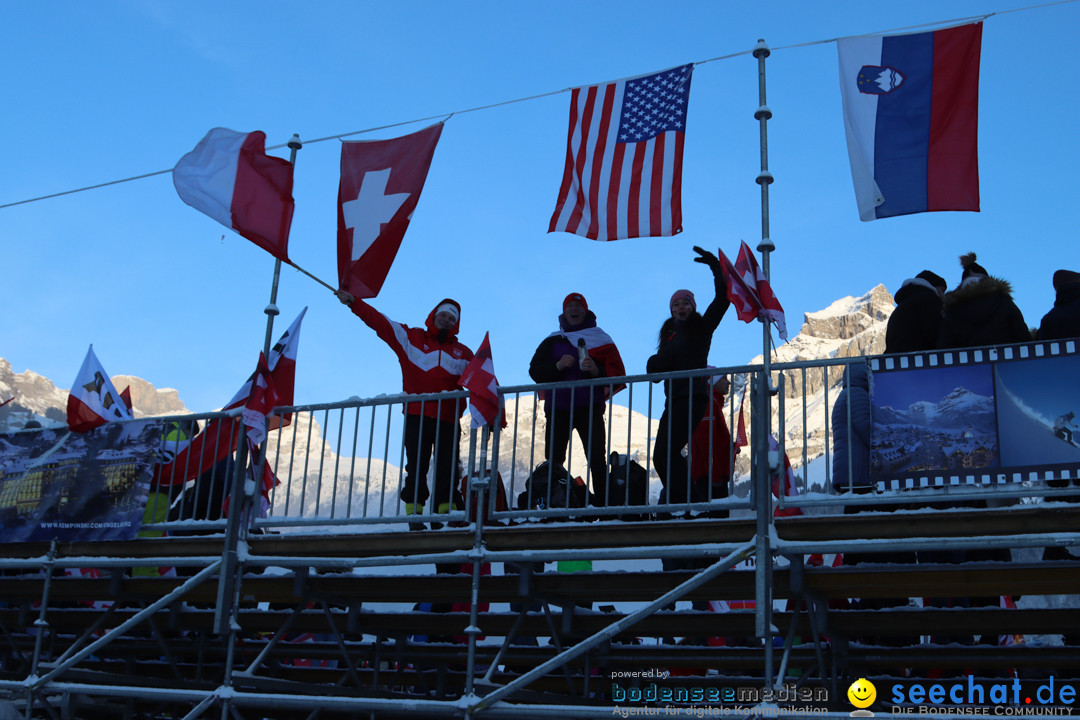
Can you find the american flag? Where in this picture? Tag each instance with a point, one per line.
(624, 155)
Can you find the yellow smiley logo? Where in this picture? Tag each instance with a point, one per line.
(862, 693)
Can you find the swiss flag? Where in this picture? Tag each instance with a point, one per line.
(93, 401)
(380, 186)
(230, 177)
(478, 378)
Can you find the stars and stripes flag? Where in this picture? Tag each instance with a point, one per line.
(624, 157)
(485, 405)
(93, 400)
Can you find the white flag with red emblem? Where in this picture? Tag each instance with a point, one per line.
(93, 401)
(380, 186)
(485, 405)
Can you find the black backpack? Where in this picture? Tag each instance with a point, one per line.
(628, 482)
(564, 491)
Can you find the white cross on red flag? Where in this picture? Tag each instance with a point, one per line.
(750, 292)
(485, 406)
(380, 186)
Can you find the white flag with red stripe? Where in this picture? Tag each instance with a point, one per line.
(93, 401)
(485, 405)
(229, 177)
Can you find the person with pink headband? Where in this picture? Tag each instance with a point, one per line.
(684, 342)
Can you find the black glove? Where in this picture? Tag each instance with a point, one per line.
(707, 258)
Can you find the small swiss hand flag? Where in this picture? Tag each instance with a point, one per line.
(485, 405)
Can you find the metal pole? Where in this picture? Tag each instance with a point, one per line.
(272, 309)
(762, 407)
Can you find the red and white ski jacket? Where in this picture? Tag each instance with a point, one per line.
(428, 364)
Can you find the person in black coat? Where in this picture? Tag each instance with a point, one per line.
(916, 322)
(980, 311)
(685, 339)
(1063, 320)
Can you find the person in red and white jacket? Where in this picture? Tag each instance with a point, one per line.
(432, 361)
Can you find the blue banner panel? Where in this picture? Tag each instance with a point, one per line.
(60, 485)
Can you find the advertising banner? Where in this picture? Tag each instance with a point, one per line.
(975, 416)
(57, 484)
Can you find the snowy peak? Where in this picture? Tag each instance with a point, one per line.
(957, 410)
(35, 397)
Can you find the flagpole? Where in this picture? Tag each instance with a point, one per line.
(272, 309)
(762, 408)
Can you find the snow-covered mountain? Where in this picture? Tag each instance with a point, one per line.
(958, 410)
(849, 327)
(35, 397)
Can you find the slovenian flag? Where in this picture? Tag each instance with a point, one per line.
(911, 114)
(229, 177)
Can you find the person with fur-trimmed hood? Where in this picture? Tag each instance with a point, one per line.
(684, 342)
(916, 322)
(578, 350)
(980, 311)
(1063, 320)
(432, 361)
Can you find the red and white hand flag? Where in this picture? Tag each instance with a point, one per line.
(230, 177)
(749, 291)
(260, 402)
(747, 266)
(485, 405)
(218, 438)
(93, 401)
(380, 186)
(742, 294)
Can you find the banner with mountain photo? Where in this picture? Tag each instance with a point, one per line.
(73, 487)
(983, 421)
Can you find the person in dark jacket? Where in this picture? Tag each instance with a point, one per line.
(579, 350)
(685, 339)
(916, 322)
(1063, 320)
(980, 311)
(851, 425)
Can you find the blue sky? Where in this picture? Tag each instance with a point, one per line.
(100, 91)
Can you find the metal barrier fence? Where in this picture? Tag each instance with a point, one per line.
(617, 446)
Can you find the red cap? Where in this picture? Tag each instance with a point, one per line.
(574, 297)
